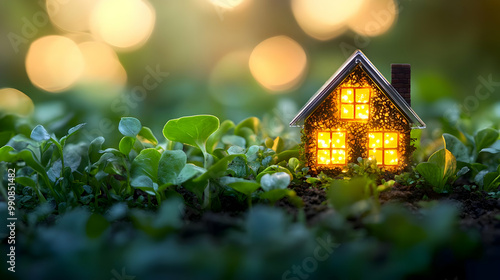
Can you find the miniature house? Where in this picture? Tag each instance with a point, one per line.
(358, 113)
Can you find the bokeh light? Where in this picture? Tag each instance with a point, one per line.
(227, 4)
(101, 64)
(15, 102)
(324, 19)
(54, 63)
(123, 23)
(278, 63)
(71, 15)
(374, 18)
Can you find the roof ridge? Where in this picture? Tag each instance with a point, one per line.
(358, 57)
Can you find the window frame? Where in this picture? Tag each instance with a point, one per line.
(330, 148)
(354, 103)
(383, 148)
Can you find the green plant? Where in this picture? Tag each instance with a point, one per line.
(365, 167)
(410, 178)
(438, 170)
(194, 131)
(322, 180)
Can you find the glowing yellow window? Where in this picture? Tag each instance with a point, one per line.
(347, 111)
(354, 103)
(362, 112)
(347, 95)
(331, 147)
(382, 146)
(338, 156)
(324, 140)
(324, 157)
(391, 157)
(390, 140)
(362, 95)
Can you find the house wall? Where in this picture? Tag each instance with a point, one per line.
(384, 116)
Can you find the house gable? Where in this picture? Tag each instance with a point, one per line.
(358, 59)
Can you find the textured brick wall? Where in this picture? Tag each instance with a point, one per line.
(401, 80)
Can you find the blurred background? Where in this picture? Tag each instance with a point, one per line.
(68, 61)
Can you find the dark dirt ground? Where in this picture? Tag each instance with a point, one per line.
(477, 210)
(478, 213)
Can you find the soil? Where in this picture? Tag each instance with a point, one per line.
(478, 213)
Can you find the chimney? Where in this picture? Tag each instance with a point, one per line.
(401, 80)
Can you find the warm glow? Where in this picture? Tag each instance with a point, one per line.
(331, 147)
(324, 140)
(360, 97)
(227, 4)
(338, 156)
(390, 157)
(324, 19)
(324, 157)
(347, 111)
(374, 18)
(15, 102)
(278, 63)
(54, 63)
(123, 23)
(338, 140)
(376, 154)
(362, 112)
(391, 140)
(102, 64)
(380, 144)
(71, 15)
(347, 95)
(375, 140)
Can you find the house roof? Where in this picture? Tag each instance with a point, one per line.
(358, 58)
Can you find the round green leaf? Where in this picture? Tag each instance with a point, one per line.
(146, 135)
(193, 131)
(170, 166)
(246, 188)
(485, 138)
(456, 147)
(294, 163)
(234, 140)
(126, 144)
(146, 163)
(39, 134)
(75, 128)
(446, 161)
(431, 172)
(129, 126)
(252, 123)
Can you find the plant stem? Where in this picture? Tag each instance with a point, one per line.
(39, 192)
(492, 183)
(59, 148)
(129, 188)
(158, 199)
